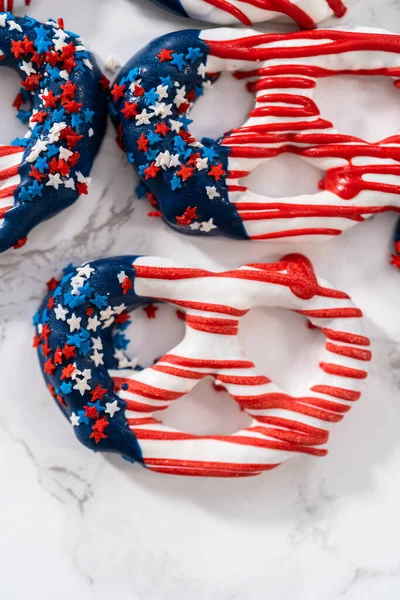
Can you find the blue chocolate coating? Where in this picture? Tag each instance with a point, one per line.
(53, 66)
(172, 61)
(96, 294)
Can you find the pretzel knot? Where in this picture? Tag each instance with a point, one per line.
(114, 405)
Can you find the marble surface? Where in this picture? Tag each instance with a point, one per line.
(79, 525)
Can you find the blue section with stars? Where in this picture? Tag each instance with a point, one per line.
(64, 100)
(79, 337)
(183, 178)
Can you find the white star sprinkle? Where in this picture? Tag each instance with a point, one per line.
(3, 18)
(112, 408)
(82, 386)
(119, 309)
(74, 322)
(13, 25)
(163, 159)
(212, 192)
(162, 109)
(40, 146)
(202, 70)
(97, 343)
(174, 162)
(85, 271)
(54, 181)
(93, 323)
(65, 154)
(162, 91)
(97, 358)
(121, 277)
(202, 163)
(175, 125)
(194, 226)
(74, 420)
(69, 183)
(207, 226)
(143, 118)
(27, 68)
(60, 313)
(106, 314)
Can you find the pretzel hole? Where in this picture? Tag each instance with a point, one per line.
(10, 126)
(152, 332)
(363, 106)
(224, 106)
(206, 411)
(283, 347)
(284, 176)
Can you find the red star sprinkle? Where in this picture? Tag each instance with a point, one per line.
(143, 143)
(217, 172)
(51, 390)
(36, 174)
(152, 171)
(100, 425)
(69, 90)
(69, 351)
(18, 102)
(60, 23)
(130, 110)
(49, 366)
(165, 55)
(188, 216)
(185, 172)
(82, 188)
(50, 303)
(154, 213)
(122, 318)
(37, 59)
(69, 64)
(162, 128)
(395, 261)
(20, 243)
(58, 356)
(126, 285)
(118, 91)
(91, 412)
(29, 46)
(68, 51)
(89, 311)
(52, 284)
(45, 349)
(31, 82)
(50, 99)
(98, 393)
(138, 91)
(46, 331)
(52, 58)
(39, 117)
(17, 48)
(67, 371)
(36, 341)
(183, 108)
(193, 159)
(150, 311)
(72, 106)
(105, 83)
(73, 159)
(97, 436)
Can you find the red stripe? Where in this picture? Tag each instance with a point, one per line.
(318, 436)
(347, 338)
(267, 83)
(304, 406)
(207, 307)
(244, 380)
(337, 392)
(332, 313)
(191, 472)
(202, 464)
(141, 407)
(7, 150)
(8, 192)
(10, 172)
(206, 364)
(296, 437)
(148, 391)
(178, 372)
(356, 353)
(142, 434)
(342, 371)
(296, 232)
(3, 211)
(217, 326)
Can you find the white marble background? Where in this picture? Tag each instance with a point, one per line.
(75, 525)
